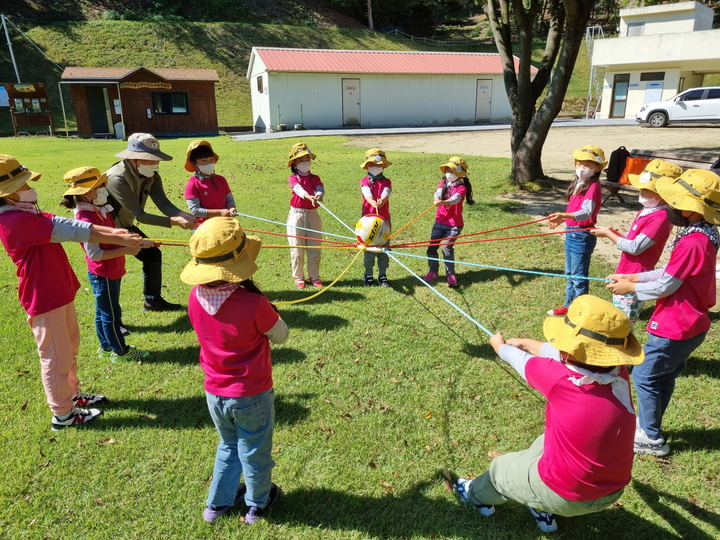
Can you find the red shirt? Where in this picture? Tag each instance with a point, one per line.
(451, 215)
(655, 226)
(309, 182)
(210, 191)
(594, 192)
(376, 188)
(589, 434)
(234, 352)
(683, 314)
(46, 280)
(110, 268)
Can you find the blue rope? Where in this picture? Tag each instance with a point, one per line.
(506, 269)
(433, 289)
(333, 215)
(303, 228)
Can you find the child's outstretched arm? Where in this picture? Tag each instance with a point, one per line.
(107, 235)
(514, 356)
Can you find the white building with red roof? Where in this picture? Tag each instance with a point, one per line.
(334, 88)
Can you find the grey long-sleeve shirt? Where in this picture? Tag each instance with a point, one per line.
(129, 193)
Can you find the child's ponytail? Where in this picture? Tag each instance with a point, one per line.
(468, 191)
(250, 286)
(68, 201)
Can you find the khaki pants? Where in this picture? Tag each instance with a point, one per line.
(58, 339)
(309, 219)
(515, 477)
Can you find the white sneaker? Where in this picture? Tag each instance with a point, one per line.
(646, 445)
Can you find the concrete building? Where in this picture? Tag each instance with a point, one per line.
(660, 51)
(335, 88)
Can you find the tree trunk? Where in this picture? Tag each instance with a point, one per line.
(371, 26)
(530, 125)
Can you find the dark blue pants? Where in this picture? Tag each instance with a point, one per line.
(108, 313)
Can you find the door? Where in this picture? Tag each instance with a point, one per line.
(619, 97)
(688, 106)
(483, 100)
(351, 102)
(99, 107)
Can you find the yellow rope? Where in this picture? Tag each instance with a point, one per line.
(324, 289)
(411, 222)
(309, 247)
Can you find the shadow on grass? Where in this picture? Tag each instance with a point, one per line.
(286, 355)
(413, 514)
(162, 323)
(658, 501)
(698, 367)
(187, 412)
(327, 297)
(694, 439)
(300, 318)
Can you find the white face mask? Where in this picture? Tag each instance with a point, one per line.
(583, 173)
(303, 167)
(206, 170)
(375, 171)
(148, 170)
(102, 196)
(648, 203)
(28, 196)
(450, 177)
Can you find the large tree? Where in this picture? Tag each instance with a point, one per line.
(510, 20)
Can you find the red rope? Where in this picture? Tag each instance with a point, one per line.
(494, 239)
(423, 242)
(345, 244)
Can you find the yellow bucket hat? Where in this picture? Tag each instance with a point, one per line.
(455, 165)
(13, 176)
(590, 152)
(83, 179)
(375, 156)
(221, 252)
(192, 146)
(299, 150)
(654, 170)
(595, 332)
(696, 190)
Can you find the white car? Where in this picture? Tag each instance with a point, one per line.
(693, 105)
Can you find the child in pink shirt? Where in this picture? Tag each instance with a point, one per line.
(376, 189)
(454, 188)
(584, 199)
(684, 291)
(47, 286)
(207, 194)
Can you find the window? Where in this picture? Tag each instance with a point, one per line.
(170, 103)
(713, 93)
(260, 84)
(693, 95)
(657, 76)
(636, 29)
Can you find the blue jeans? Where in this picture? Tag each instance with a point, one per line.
(579, 246)
(245, 425)
(108, 313)
(440, 231)
(654, 379)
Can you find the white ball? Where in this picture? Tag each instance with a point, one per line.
(372, 230)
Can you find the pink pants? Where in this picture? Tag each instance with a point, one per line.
(58, 338)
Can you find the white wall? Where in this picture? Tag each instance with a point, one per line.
(637, 89)
(668, 18)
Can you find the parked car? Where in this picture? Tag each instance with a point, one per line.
(693, 105)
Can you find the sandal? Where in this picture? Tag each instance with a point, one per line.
(300, 283)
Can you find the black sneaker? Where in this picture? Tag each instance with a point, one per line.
(83, 400)
(77, 417)
(545, 520)
(369, 281)
(383, 281)
(212, 513)
(255, 514)
(160, 304)
(124, 330)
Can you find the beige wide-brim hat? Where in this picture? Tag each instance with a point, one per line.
(696, 190)
(189, 167)
(591, 152)
(455, 165)
(143, 146)
(221, 252)
(596, 333)
(375, 157)
(83, 179)
(297, 151)
(653, 171)
(13, 176)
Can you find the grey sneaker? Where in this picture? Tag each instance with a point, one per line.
(646, 445)
(255, 514)
(545, 520)
(461, 487)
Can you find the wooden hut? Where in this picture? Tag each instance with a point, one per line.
(168, 102)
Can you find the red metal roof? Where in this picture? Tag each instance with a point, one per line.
(116, 74)
(419, 62)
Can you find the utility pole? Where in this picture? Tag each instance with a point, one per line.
(12, 55)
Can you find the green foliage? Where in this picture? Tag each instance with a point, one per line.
(377, 390)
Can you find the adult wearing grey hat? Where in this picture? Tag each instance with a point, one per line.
(130, 183)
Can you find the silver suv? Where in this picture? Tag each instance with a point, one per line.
(694, 105)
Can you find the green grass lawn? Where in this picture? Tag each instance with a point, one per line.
(377, 390)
